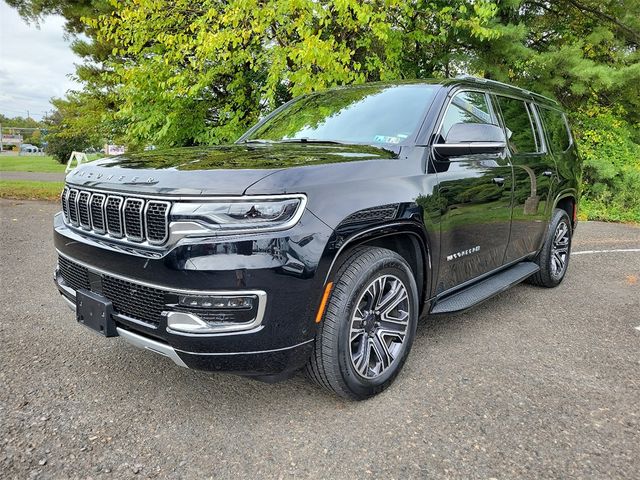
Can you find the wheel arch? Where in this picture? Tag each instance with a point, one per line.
(568, 201)
(406, 239)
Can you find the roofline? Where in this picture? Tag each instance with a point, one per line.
(486, 81)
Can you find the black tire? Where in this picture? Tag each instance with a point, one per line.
(331, 364)
(550, 275)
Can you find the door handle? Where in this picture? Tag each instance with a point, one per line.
(498, 181)
(547, 173)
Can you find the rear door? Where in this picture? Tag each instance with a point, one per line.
(534, 173)
(474, 192)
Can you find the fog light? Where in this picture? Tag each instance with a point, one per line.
(216, 313)
(204, 301)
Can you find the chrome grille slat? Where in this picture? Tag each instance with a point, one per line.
(82, 201)
(156, 221)
(65, 205)
(128, 219)
(73, 206)
(132, 215)
(97, 213)
(113, 214)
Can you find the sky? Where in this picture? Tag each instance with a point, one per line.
(35, 64)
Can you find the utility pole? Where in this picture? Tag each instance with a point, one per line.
(1, 138)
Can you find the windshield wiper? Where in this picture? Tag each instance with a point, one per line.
(310, 140)
(258, 140)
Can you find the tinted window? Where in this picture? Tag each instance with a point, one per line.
(466, 107)
(365, 114)
(520, 131)
(557, 129)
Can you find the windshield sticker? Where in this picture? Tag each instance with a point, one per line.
(386, 139)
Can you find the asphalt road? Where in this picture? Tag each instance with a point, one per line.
(33, 176)
(532, 384)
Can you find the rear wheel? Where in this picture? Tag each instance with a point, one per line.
(368, 326)
(553, 259)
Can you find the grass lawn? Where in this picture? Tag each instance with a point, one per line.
(34, 163)
(29, 190)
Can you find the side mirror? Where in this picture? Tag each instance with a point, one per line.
(472, 139)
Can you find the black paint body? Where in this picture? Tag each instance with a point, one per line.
(402, 196)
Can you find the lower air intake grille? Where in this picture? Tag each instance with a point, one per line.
(131, 299)
(74, 275)
(134, 300)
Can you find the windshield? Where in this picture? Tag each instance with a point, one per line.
(369, 114)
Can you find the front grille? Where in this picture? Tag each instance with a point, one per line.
(128, 218)
(74, 275)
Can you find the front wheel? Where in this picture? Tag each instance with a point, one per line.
(368, 326)
(553, 259)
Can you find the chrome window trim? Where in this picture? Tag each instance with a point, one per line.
(100, 231)
(133, 238)
(109, 232)
(166, 226)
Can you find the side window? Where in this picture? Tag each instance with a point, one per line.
(466, 107)
(557, 129)
(518, 119)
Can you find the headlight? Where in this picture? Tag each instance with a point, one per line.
(242, 214)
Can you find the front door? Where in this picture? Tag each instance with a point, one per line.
(475, 193)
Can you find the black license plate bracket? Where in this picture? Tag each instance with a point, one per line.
(94, 311)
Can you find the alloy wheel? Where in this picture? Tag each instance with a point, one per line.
(379, 326)
(560, 250)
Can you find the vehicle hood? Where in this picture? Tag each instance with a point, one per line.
(220, 170)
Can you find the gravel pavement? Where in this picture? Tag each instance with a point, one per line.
(532, 384)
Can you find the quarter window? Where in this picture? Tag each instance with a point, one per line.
(557, 129)
(466, 107)
(519, 122)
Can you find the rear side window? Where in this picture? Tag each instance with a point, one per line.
(466, 107)
(521, 131)
(557, 129)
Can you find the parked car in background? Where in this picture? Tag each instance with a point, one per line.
(28, 148)
(319, 238)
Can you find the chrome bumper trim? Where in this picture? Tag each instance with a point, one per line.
(148, 344)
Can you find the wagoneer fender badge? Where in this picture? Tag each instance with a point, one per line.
(463, 253)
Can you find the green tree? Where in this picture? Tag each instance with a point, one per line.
(70, 127)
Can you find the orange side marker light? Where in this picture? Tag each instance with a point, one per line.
(323, 303)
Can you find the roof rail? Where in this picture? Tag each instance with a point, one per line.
(497, 83)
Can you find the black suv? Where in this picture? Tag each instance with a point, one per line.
(318, 239)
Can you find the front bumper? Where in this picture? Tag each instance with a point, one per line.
(283, 265)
